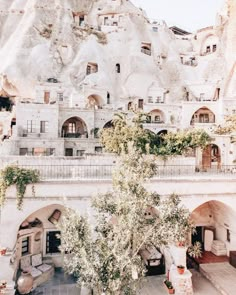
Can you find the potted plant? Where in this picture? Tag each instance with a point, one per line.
(169, 287)
(180, 269)
(3, 284)
(3, 251)
(195, 250)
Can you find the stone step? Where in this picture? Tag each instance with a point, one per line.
(217, 274)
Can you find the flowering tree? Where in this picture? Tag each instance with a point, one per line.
(106, 256)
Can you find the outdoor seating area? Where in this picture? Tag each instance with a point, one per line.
(153, 259)
(40, 271)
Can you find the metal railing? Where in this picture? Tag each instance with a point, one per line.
(81, 172)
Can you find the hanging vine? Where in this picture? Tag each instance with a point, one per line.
(21, 177)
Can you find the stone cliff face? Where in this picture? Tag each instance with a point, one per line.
(58, 38)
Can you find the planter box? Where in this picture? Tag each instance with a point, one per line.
(169, 291)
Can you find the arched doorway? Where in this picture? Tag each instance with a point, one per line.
(156, 117)
(211, 157)
(37, 238)
(74, 127)
(214, 220)
(162, 132)
(94, 101)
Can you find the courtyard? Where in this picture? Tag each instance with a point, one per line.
(62, 284)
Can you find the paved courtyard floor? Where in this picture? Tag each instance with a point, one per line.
(201, 286)
(63, 284)
(222, 275)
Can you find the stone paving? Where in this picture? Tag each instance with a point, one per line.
(222, 275)
(201, 286)
(63, 284)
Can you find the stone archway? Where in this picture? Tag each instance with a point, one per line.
(37, 234)
(74, 127)
(94, 101)
(211, 157)
(108, 124)
(216, 219)
(157, 116)
(203, 116)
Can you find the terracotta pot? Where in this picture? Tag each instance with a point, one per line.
(180, 270)
(25, 283)
(3, 251)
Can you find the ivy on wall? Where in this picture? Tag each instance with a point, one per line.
(20, 177)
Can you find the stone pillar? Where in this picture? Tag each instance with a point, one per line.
(182, 283)
(179, 255)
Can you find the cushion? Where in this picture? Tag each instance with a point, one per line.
(154, 262)
(25, 263)
(44, 267)
(35, 272)
(36, 260)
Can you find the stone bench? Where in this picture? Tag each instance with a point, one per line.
(41, 272)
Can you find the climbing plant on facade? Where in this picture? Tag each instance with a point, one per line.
(130, 129)
(20, 177)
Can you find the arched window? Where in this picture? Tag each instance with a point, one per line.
(118, 68)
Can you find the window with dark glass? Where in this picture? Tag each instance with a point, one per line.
(53, 242)
(25, 248)
(23, 151)
(228, 235)
(43, 126)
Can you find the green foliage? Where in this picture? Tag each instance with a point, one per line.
(106, 257)
(13, 175)
(195, 250)
(168, 284)
(127, 130)
(228, 127)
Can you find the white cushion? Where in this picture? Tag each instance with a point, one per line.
(33, 271)
(44, 267)
(25, 263)
(37, 260)
(154, 262)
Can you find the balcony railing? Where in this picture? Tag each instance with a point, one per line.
(82, 172)
(146, 51)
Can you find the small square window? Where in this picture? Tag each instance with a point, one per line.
(98, 149)
(80, 153)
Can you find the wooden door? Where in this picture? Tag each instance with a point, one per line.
(206, 158)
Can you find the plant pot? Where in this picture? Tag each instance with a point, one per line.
(169, 291)
(3, 284)
(181, 270)
(3, 251)
(25, 283)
